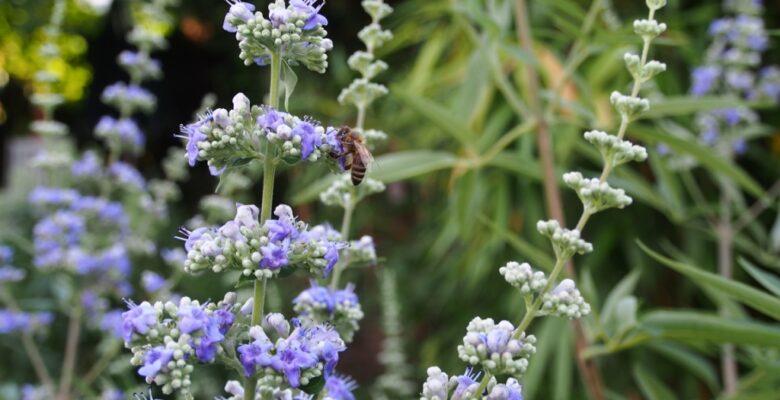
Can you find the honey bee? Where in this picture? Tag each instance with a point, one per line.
(354, 153)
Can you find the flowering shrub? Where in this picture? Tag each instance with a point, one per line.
(244, 323)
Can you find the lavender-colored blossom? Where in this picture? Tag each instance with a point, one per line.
(255, 354)
(139, 319)
(271, 119)
(292, 355)
(274, 256)
(11, 274)
(310, 8)
(87, 165)
(113, 323)
(152, 281)
(512, 390)
(310, 139)
(191, 318)
(340, 388)
(156, 359)
(19, 321)
(704, 79)
(739, 146)
(466, 385)
(126, 174)
(192, 133)
(6, 254)
(46, 196)
(325, 342)
(246, 215)
(239, 10)
(219, 323)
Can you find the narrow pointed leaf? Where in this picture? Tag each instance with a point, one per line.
(758, 300)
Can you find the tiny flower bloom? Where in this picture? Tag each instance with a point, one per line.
(140, 318)
(291, 357)
(155, 360)
(314, 17)
(339, 388)
(239, 11)
(152, 282)
(271, 119)
(274, 256)
(255, 354)
(310, 139)
(192, 317)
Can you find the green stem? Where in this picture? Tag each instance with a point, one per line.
(71, 351)
(349, 209)
(266, 205)
(361, 118)
(276, 70)
(531, 311)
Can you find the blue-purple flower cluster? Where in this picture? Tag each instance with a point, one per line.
(294, 31)
(733, 68)
(122, 133)
(19, 321)
(262, 250)
(439, 386)
(338, 308)
(228, 138)
(299, 356)
(14, 321)
(9, 273)
(496, 347)
(82, 234)
(168, 338)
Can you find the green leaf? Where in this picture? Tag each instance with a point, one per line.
(704, 155)
(398, 166)
(289, 81)
(389, 168)
(768, 280)
(758, 300)
(443, 118)
(688, 105)
(650, 385)
(623, 290)
(699, 327)
(693, 362)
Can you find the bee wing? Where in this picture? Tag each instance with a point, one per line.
(366, 155)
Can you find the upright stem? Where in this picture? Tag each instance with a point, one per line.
(361, 118)
(546, 156)
(588, 370)
(349, 209)
(71, 350)
(725, 233)
(269, 172)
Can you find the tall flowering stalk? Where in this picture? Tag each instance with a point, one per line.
(275, 357)
(504, 349)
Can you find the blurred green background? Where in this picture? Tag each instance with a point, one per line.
(447, 225)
